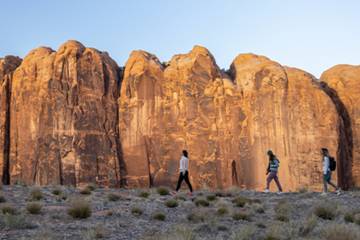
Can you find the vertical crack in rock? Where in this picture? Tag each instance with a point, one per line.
(345, 143)
(7, 67)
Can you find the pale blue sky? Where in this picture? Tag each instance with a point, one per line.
(309, 34)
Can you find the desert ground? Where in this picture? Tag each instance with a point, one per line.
(91, 212)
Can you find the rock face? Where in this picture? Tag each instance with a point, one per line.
(226, 125)
(7, 67)
(73, 117)
(343, 85)
(64, 126)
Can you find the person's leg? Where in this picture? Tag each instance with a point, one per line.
(188, 181)
(277, 182)
(333, 185)
(181, 178)
(268, 180)
(325, 183)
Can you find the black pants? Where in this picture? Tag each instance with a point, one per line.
(184, 176)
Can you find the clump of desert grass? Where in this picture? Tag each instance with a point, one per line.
(171, 203)
(282, 211)
(160, 216)
(340, 232)
(113, 197)
(79, 208)
(8, 209)
(144, 194)
(34, 208)
(326, 210)
(162, 191)
(201, 202)
(36, 194)
(136, 211)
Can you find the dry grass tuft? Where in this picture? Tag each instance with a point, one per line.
(79, 208)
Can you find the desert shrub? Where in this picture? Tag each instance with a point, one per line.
(79, 208)
(222, 211)
(144, 194)
(2, 199)
(97, 232)
(325, 210)
(159, 216)
(240, 201)
(258, 208)
(56, 191)
(33, 208)
(136, 211)
(282, 211)
(309, 225)
(211, 197)
(8, 209)
(91, 186)
(16, 222)
(340, 232)
(163, 191)
(201, 202)
(85, 191)
(113, 197)
(195, 217)
(245, 233)
(352, 216)
(36, 194)
(171, 203)
(180, 197)
(241, 216)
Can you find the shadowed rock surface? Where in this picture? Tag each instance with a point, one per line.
(64, 117)
(7, 68)
(343, 82)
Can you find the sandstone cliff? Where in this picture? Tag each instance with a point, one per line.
(7, 67)
(64, 117)
(342, 83)
(227, 125)
(72, 116)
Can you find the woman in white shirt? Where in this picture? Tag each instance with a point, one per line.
(184, 173)
(327, 171)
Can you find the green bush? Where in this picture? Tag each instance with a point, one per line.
(163, 191)
(211, 197)
(171, 203)
(136, 211)
(201, 202)
(282, 211)
(2, 199)
(36, 194)
(85, 191)
(241, 216)
(56, 191)
(326, 211)
(16, 222)
(159, 216)
(8, 209)
(240, 201)
(113, 197)
(79, 208)
(195, 217)
(33, 208)
(91, 186)
(222, 211)
(144, 194)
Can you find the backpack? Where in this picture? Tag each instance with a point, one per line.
(332, 164)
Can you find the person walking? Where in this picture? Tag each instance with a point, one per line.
(329, 165)
(184, 172)
(272, 172)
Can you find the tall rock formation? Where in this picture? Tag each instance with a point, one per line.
(227, 125)
(64, 127)
(7, 67)
(342, 83)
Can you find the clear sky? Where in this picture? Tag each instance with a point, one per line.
(309, 34)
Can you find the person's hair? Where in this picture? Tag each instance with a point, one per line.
(325, 151)
(271, 155)
(185, 153)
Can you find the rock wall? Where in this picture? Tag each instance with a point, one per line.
(73, 116)
(64, 117)
(342, 82)
(227, 125)
(7, 67)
